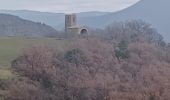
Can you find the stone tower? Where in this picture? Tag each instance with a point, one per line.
(71, 26)
(70, 21)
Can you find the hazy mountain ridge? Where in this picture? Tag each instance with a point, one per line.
(15, 26)
(56, 20)
(52, 19)
(155, 12)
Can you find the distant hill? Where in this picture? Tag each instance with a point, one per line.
(155, 12)
(14, 26)
(56, 20)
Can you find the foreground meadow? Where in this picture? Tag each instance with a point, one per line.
(10, 47)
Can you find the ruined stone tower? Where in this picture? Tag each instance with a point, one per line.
(71, 26)
(70, 21)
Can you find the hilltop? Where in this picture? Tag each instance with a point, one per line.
(15, 26)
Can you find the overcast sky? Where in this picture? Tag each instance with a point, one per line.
(66, 5)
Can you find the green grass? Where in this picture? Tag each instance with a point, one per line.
(5, 74)
(10, 47)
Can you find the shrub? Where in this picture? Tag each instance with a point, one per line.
(75, 56)
(122, 51)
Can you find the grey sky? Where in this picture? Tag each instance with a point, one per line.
(66, 5)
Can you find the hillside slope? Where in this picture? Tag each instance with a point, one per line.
(14, 26)
(155, 12)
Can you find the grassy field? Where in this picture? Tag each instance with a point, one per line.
(10, 47)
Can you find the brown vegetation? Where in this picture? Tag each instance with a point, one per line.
(94, 69)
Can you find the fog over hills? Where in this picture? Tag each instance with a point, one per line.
(14, 26)
(155, 12)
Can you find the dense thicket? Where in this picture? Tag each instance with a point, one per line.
(115, 68)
